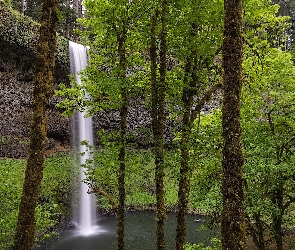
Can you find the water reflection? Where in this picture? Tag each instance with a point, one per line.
(140, 228)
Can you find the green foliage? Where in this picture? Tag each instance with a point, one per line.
(18, 29)
(140, 183)
(23, 31)
(269, 140)
(53, 201)
(201, 246)
(205, 157)
(12, 174)
(7, 2)
(268, 121)
(101, 79)
(194, 33)
(268, 129)
(263, 27)
(62, 52)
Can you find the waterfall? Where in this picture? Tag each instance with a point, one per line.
(86, 220)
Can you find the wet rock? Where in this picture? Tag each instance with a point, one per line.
(16, 88)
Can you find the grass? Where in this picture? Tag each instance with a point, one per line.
(54, 200)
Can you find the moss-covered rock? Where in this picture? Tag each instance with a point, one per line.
(18, 40)
(16, 88)
(22, 31)
(17, 29)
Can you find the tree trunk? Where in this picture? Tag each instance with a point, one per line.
(277, 217)
(78, 8)
(232, 218)
(23, 7)
(158, 123)
(260, 242)
(121, 39)
(29, 8)
(256, 229)
(68, 21)
(43, 81)
(277, 227)
(185, 170)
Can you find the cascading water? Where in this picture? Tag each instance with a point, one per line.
(86, 220)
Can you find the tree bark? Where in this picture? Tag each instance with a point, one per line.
(43, 82)
(232, 218)
(68, 27)
(256, 230)
(277, 198)
(121, 39)
(29, 8)
(78, 8)
(158, 117)
(185, 170)
(23, 7)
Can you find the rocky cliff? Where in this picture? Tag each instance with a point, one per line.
(18, 38)
(16, 89)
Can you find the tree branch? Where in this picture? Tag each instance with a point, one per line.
(206, 97)
(106, 195)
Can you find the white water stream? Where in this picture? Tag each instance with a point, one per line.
(86, 220)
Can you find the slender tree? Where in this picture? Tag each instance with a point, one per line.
(158, 89)
(43, 81)
(188, 118)
(232, 218)
(121, 40)
(184, 180)
(196, 56)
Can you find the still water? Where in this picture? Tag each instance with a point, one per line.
(140, 228)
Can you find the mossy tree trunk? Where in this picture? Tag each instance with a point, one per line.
(277, 198)
(43, 81)
(121, 40)
(232, 218)
(158, 90)
(189, 115)
(159, 136)
(185, 170)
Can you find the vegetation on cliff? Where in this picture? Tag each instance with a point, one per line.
(22, 31)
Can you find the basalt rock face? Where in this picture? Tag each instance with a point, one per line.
(18, 38)
(139, 124)
(16, 88)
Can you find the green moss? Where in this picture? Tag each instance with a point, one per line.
(62, 51)
(17, 28)
(22, 31)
